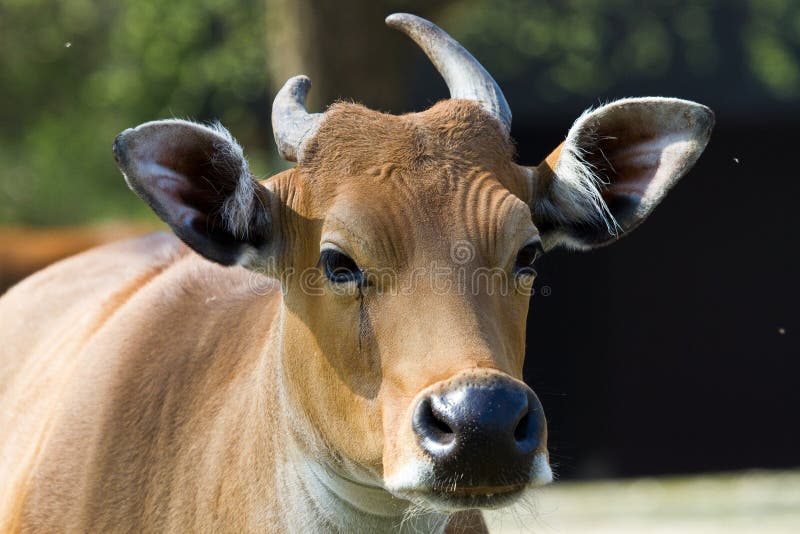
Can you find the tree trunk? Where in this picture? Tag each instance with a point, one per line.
(345, 48)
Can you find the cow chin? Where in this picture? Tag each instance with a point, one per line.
(418, 482)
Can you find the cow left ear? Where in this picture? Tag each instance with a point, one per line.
(616, 164)
(195, 177)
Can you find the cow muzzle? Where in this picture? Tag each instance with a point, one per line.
(483, 438)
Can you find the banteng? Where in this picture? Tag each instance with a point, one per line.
(374, 384)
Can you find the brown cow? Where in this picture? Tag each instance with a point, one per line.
(375, 385)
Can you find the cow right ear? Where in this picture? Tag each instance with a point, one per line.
(615, 166)
(196, 178)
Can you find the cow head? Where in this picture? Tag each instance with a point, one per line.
(405, 246)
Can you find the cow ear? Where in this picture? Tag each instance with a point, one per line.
(616, 164)
(195, 177)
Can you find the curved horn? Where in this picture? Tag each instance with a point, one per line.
(291, 122)
(464, 76)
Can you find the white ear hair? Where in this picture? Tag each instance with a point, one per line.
(237, 210)
(577, 188)
(616, 164)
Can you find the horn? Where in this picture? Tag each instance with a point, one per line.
(464, 76)
(291, 122)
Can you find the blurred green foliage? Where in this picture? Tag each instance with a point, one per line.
(772, 34)
(74, 73)
(585, 46)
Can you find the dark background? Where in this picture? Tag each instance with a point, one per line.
(675, 350)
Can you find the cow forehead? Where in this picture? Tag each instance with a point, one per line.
(406, 183)
(354, 140)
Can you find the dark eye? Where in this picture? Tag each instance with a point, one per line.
(526, 257)
(340, 268)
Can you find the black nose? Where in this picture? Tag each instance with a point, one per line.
(485, 432)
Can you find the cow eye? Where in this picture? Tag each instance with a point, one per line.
(526, 257)
(340, 268)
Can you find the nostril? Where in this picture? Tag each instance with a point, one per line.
(442, 429)
(431, 427)
(528, 430)
(522, 432)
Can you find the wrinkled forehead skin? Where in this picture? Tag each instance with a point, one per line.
(432, 156)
